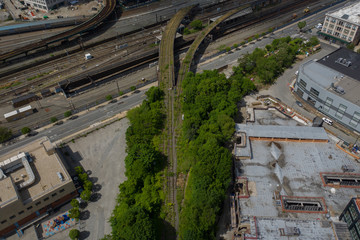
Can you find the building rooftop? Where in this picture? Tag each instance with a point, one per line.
(296, 172)
(35, 177)
(271, 228)
(349, 13)
(326, 76)
(338, 60)
(278, 131)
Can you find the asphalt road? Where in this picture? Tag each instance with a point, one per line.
(83, 121)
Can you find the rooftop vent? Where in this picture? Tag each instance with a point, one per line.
(60, 176)
(345, 16)
(343, 62)
(337, 89)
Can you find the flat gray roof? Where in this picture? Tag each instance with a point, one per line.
(269, 228)
(299, 170)
(277, 131)
(325, 76)
(348, 13)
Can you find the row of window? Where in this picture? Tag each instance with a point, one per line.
(354, 121)
(343, 36)
(30, 207)
(340, 23)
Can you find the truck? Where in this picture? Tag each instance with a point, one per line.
(88, 56)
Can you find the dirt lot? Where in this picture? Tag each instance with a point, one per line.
(103, 153)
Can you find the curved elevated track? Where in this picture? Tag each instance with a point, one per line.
(186, 63)
(91, 23)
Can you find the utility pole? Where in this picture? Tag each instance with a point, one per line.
(117, 84)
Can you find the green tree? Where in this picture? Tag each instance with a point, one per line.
(196, 24)
(132, 88)
(67, 114)
(74, 213)
(5, 134)
(121, 93)
(85, 195)
(358, 51)
(154, 94)
(74, 234)
(25, 130)
(108, 97)
(350, 46)
(228, 49)
(53, 119)
(314, 41)
(256, 36)
(88, 185)
(301, 25)
(79, 169)
(75, 203)
(235, 45)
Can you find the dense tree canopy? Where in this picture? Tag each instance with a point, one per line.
(209, 105)
(136, 214)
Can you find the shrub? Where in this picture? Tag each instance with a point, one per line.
(67, 114)
(196, 24)
(256, 36)
(121, 93)
(228, 49)
(351, 46)
(74, 234)
(25, 130)
(5, 134)
(186, 31)
(133, 88)
(250, 39)
(109, 97)
(235, 45)
(53, 119)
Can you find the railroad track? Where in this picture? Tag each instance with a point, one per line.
(91, 23)
(166, 82)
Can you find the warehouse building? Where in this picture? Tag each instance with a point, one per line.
(343, 25)
(331, 85)
(33, 181)
(45, 5)
(23, 100)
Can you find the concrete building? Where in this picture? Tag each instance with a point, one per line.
(45, 5)
(343, 25)
(351, 215)
(331, 85)
(33, 181)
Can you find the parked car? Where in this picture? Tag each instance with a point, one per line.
(278, 99)
(328, 121)
(299, 103)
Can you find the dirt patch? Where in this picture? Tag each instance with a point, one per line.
(281, 161)
(252, 189)
(278, 145)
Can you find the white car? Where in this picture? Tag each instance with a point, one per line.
(328, 121)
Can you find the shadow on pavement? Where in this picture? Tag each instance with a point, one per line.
(84, 235)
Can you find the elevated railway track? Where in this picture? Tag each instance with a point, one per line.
(90, 24)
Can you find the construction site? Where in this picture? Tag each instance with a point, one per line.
(290, 180)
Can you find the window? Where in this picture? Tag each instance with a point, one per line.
(331, 26)
(326, 24)
(327, 19)
(333, 20)
(327, 105)
(299, 92)
(21, 212)
(314, 92)
(351, 33)
(348, 25)
(29, 208)
(353, 234)
(341, 111)
(353, 211)
(329, 31)
(45, 199)
(350, 38)
(62, 190)
(54, 194)
(343, 36)
(355, 119)
(38, 203)
(348, 218)
(302, 83)
(337, 34)
(339, 29)
(341, 23)
(324, 29)
(346, 31)
(2, 222)
(12, 217)
(311, 101)
(353, 27)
